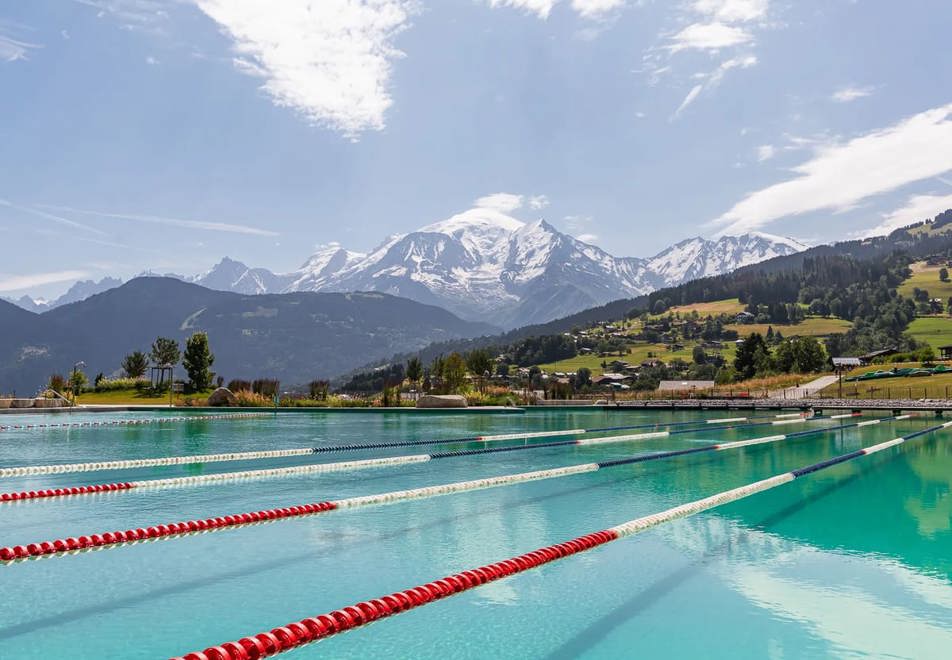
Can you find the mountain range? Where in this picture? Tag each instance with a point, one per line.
(483, 264)
(295, 337)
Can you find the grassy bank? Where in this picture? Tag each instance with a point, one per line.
(937, 386)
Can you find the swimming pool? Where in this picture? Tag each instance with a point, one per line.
(856, 560)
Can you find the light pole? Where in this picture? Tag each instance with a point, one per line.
(74, 384)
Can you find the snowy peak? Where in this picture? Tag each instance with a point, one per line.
(231, 275)
(699, 257)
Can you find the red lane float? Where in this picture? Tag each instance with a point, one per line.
(72, 490)
(311, 629)
(154, 533)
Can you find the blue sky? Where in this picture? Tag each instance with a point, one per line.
(165, 134)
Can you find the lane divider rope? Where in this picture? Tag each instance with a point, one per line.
(132, 422)
(311, 629)
(321, 468)
(61, 547)
(129, 464)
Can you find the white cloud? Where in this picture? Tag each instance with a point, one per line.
(732, 11)
(20, 282)
(330, 60)
(765, 152)
(541, 8)
(591, 9)
(502, 202)
(587, 238)
(596, 8)
(151, 61)
(840, 175)
(538, 202)
(847, 94)
(709, 36)
(916, 209)
(171, 222)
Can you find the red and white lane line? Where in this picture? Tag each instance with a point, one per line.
(311, 629)
(175, 529)
(131, 422)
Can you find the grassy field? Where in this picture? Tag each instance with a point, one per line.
(639, 353)
(726, 306)
(938, 386)
(812, 326)
(927, 278)
(934, 330)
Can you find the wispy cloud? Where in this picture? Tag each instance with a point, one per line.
(21, 282)
(840, 175)
(587, 238)
(765, 152)
(848, 94)
(916, 209)
(688, 100)
(538, 202)
(135, 15)
(330, 61)
(12, 47)
(713, 79)
(171, 222)
(502, 202)
(52, 217)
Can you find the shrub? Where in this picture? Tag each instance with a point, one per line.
(318, 389)
(250, 399)
(114, 384)
(238, 385)
(57, 383)
(265, 386)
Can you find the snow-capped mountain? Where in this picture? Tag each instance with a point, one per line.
(696, 257)
(484, 264)
(231, 275)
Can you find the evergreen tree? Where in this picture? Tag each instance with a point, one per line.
(197, 361)
(414, 370)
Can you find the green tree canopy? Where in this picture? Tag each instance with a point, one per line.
(197, 361)
(454, 373)
(414, 370)
(165, 351)
(135, 364)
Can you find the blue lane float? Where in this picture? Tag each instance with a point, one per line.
(128, 464)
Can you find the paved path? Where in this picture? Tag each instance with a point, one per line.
(805, 391)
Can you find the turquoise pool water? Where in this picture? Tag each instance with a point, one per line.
(852, 561)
